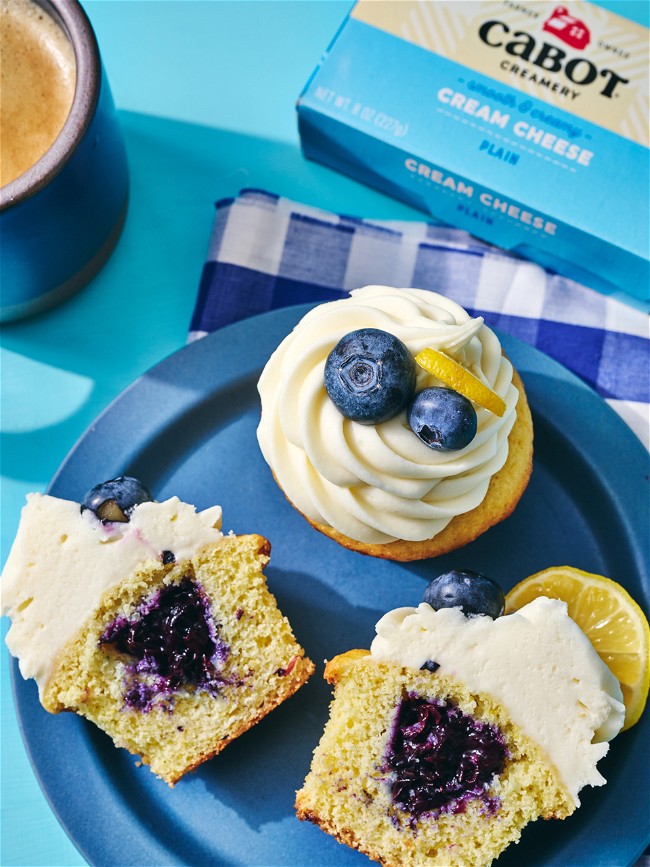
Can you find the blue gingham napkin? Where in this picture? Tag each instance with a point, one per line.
(268, 252)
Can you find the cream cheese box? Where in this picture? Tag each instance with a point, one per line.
(525, 123)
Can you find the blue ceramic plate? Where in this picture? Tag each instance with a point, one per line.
(188, 428)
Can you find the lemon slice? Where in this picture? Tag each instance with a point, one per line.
(609, 617)
(453, 374)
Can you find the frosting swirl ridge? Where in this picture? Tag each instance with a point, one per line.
(378, 483)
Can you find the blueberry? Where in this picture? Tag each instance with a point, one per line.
(115, 500)
(370, 375)
(471, 591)
(430, 665)
(442, 419)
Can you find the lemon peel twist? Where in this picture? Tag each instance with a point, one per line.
(453, 374)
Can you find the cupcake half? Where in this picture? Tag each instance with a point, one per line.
(150, 622)
(454, 732)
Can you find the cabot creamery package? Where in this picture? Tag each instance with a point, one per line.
(525, 123)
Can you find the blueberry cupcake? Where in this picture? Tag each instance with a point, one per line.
(395, 424)
(146, 619)
(460, 727)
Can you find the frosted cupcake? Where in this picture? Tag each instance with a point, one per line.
(419, 468)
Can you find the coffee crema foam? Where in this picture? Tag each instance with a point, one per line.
(37, 86)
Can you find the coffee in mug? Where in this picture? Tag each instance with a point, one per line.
(37, 85)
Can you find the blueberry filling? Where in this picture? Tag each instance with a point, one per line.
(439, 758)
(173, 643)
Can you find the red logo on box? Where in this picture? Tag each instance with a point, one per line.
(568, 28)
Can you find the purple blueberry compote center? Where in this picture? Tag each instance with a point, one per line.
(439, 758)
(173, 642)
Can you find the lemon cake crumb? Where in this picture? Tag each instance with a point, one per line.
(348, 789)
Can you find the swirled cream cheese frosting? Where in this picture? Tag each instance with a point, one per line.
(380, 483)
(536, 662)
(63, 560)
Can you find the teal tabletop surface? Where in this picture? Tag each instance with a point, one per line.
(206, 95)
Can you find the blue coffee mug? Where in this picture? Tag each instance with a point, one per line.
(61, 219)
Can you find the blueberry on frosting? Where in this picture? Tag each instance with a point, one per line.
(443, 419)
(472, 592)
(115, 500)
(370, 375)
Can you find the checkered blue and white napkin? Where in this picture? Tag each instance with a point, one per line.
(268, 252)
